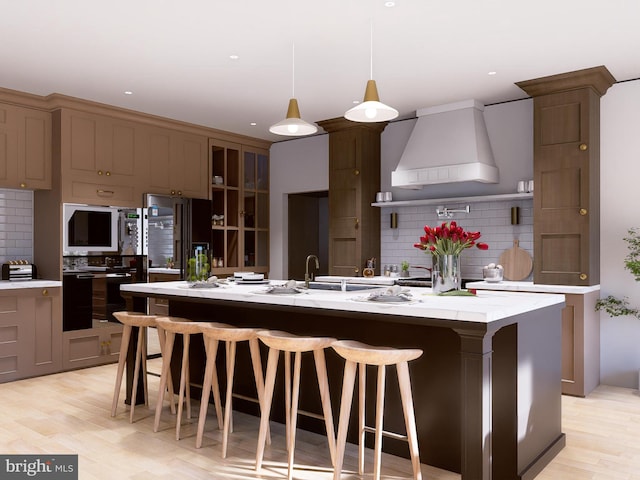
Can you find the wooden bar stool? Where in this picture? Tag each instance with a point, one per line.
(288, 343)
(172, 326)
(213, 334)
(142, 321)
(361, 355)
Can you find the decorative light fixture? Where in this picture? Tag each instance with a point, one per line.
(371, 109)
(293, 125)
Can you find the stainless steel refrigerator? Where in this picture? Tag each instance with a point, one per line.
(174, 227)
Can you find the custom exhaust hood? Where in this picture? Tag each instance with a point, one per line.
(449, 143)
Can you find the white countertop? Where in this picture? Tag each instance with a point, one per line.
(532, 287)
(377, 280)
(18, 284)
(486, 307)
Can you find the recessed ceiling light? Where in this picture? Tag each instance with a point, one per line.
(389, 4)
(234, 57)
(355, 102)
(492, 73)
(128, 92)
(253, 124)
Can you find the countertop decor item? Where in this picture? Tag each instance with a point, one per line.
(446, 243)
(517, 262)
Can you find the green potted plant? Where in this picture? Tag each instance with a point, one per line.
(617, 307)
(404, 268)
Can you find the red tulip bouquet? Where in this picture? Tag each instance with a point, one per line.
(448, 239)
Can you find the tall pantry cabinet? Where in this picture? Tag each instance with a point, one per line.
(566, 169)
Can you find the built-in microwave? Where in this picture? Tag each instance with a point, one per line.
(88, 228)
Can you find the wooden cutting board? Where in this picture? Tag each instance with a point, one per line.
(517, 263)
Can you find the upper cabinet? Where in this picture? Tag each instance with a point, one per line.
(240, 207)
(25, 148)
(101, 159)
(566, 166)
(177, 164)
(112, 161)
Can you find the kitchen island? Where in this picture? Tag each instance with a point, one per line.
(486, 391)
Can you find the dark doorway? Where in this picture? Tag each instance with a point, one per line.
(308, 232)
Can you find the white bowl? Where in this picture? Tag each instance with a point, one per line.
(240, 274)
(492, 274)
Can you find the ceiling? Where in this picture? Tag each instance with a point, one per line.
(174, 56)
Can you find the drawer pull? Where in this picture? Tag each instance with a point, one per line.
(23, 185)
(583, 211)
(583, 147)
(105, 192)
(583, 276)
(45, 292)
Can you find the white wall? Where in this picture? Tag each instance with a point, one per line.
(620, 198)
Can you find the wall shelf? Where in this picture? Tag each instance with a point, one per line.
(443, 201)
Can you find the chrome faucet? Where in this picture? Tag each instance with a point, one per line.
(306, 271)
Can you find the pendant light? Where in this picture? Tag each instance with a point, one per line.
(371, 109)
(293, 125)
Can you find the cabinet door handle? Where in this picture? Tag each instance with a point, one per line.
(172, 192)
(45, 292)
(583, 147)
(356, 271)
(356, 172)
(180, 192)
(108, 173)
(23, 185)
(583, 211)
(357, 225)
(105, 192)
(99, 172)
(583, 276)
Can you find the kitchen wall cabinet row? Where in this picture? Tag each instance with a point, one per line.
(25, 148)
(112, 161)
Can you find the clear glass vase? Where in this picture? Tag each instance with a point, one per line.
(198, 266)
(446, 274)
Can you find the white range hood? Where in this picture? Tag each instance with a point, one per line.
(449, 143)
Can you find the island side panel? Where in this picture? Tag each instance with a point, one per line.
(540, 435)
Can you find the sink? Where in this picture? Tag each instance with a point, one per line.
(351, 287)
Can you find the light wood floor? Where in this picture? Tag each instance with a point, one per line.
(69, 413)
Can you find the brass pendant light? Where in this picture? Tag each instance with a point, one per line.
(371, 109)
(293, 125)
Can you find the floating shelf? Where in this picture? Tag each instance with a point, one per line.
(442, 201)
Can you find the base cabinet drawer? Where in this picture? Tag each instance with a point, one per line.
(92, 346)
(30, 332)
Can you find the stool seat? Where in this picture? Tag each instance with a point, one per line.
(130, 320)
(362, 353)
(214, 333)
(358, 355)
(289, 343)
(172, 326)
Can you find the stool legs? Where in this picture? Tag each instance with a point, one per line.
(210, 383)
(292, 394)
(141, 359)
(122, 358)
(409, 416)
(185, 388)
(345, 410)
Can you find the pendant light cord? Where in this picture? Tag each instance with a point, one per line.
(370, 49)
(293, 71)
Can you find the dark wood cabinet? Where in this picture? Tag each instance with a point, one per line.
(354, 179)
(566, 165)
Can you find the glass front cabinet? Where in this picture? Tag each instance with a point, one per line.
(240, 208)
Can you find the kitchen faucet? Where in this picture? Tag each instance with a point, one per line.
(306, 272)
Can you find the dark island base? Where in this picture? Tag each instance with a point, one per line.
(436, 381)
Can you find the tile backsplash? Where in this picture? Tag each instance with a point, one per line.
(16, 225)
(492, 219)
